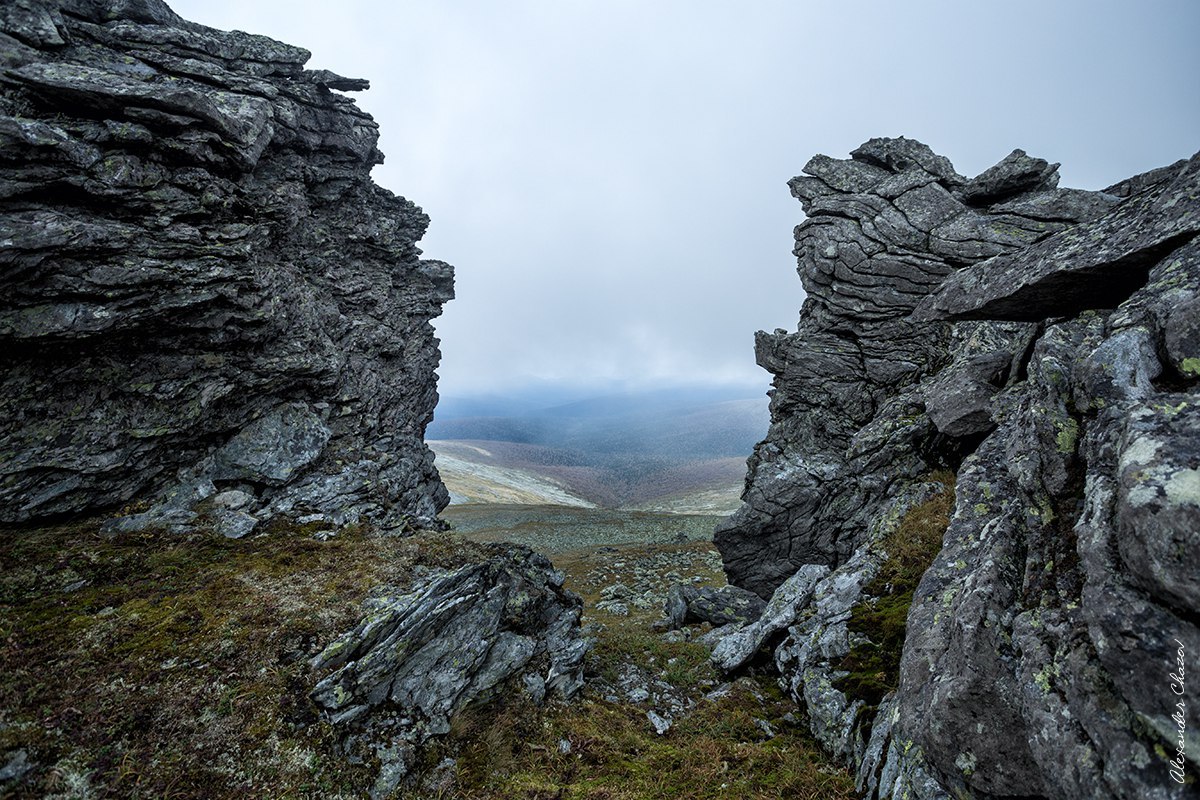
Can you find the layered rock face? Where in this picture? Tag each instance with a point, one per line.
(1045, 344)
(204, 294)
(460, 637)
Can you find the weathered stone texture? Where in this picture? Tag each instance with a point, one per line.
(417, 659)
(202, 288)
(1042, 341)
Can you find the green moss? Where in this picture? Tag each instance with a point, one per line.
(873, 666)
(1190, 367)
(176, 665)
(878, 623)
(1068, 435)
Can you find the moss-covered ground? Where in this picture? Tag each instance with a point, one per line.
(156, 665)
(176, 666)
(739, 739)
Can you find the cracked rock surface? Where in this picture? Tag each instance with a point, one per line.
(418, 659)
(1042, 343)
(203, 291)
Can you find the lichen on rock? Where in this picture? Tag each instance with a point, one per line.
(1040, 342)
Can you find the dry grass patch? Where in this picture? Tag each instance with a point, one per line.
(595, 749)
(159, 665)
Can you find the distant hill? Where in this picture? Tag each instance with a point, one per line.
(676, 450)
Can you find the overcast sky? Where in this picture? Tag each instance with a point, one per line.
(608, 177)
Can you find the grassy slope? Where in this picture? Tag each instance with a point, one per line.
(485, 471)
(152, 666)
(167, 666)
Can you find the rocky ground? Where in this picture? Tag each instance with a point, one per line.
(655, 719)
(157, 664)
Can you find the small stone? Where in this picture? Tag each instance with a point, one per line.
(233, 499)
(614, 607)
(15, 767)
(617, 591)
(766, 727)
(233, 524)
(638, 694)
(661, 724)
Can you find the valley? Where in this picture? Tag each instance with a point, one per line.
(680, 452)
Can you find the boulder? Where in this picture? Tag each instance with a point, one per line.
(421, 656)
(695, 605)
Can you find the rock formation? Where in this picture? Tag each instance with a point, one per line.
(1045, 344)
(418, 659)
(204, 294)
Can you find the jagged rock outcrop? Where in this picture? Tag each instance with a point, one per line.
(1043, 343)
(204, 294)
(848, 423)
(418, 659)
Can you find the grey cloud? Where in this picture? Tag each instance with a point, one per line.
(608, 178)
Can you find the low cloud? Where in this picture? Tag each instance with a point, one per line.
(609, 178)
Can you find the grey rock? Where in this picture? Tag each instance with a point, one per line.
(535, 687)
(688, 605)
(1016, 173)
(418, 658)
(714, 637)
(860, 392)
(1059, 205)
(274, 448)
(1120, 368)
(395, 763)
(1043, 341)
(200, 276)
(901, 154)
(615, 607)
(637, 694)
(233, 524)
(958, 400)
(16, 766)
(1158, 498)
(1181, 338)
(1095, 264)
(616, 591)
(660, 723)
(234, 500)
(738, 648)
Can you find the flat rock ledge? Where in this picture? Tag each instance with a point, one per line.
(460, 637)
